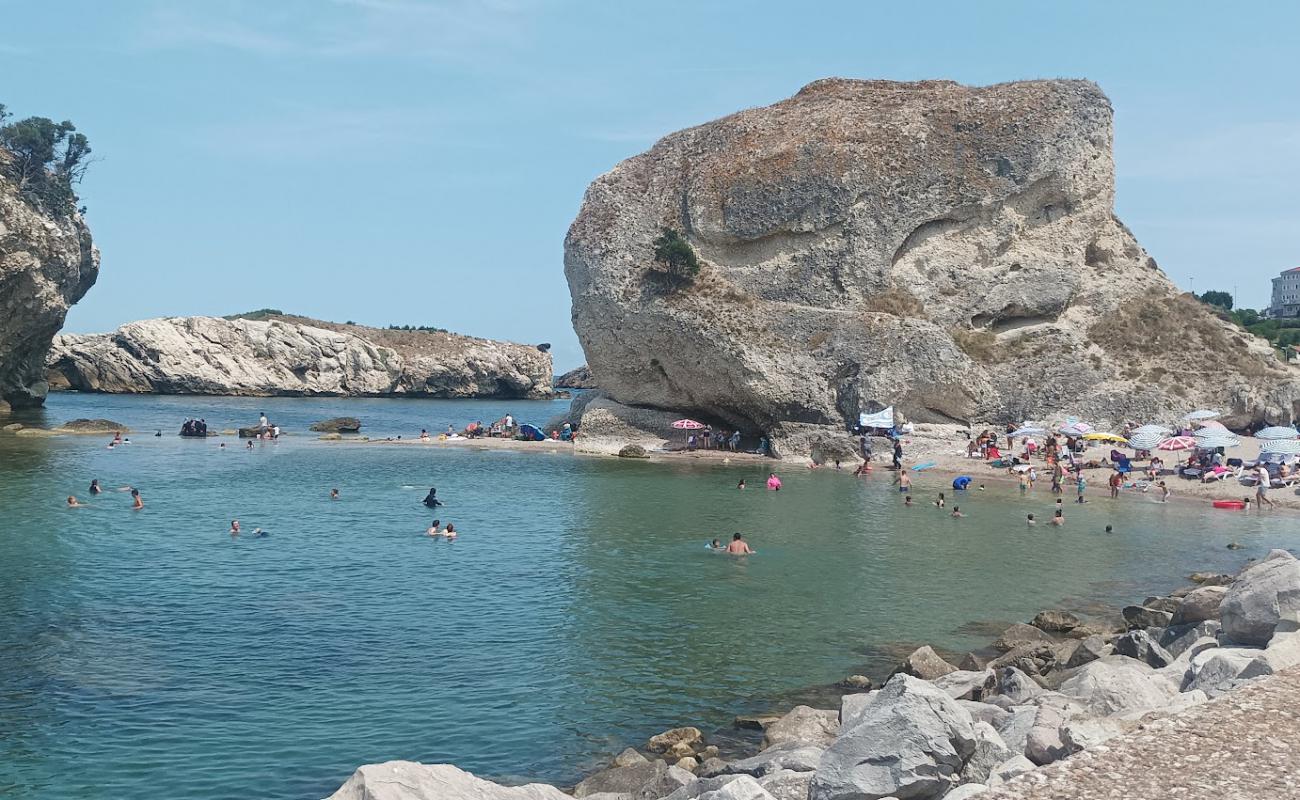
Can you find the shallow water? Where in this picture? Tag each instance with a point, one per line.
(147, 654)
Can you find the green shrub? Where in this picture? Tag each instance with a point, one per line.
(675, 260)
(45, 159)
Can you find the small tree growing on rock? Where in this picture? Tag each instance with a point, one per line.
(675, 259)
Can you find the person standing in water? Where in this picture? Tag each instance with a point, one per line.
(450, 533)
(1059, 519)
(738, 546)
(741, 485)
(773, 482)
(904, 481)
(898, 453)
(1079, 485)
(94, 486)
(137, 502)
(940, 502)
(435, 529)
(431, 500)
(234, 527)
(72, 502)
(334, 494)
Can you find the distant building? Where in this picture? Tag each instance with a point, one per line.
(1286, 294)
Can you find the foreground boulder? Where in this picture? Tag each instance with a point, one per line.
(1115, 684)
(1261, 594)
(294, 356)
(923, 245)
(47, 263)
(803, 724)
(409, 780)
(911, 740)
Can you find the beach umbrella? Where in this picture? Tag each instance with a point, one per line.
(1201, 414)
(1177, 443)
(1075, 428)
(1145, 441)
(1281, 447)
(1217, 439)
(1278, 432)
(532, 432)
(1028, 430)
(1097, 436)
(688, 425)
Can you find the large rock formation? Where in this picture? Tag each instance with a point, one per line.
(47, 263)
(294, 356)
(949, 250)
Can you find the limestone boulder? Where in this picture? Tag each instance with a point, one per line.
(1140, 645)
(785, 784)
(1055, 621)
(1113, 684)
(925, 664)
(409, 780)
(1143, 617)
(911, 741)
(1177, 638)
(337, 425)
(990, 751)
(790, 755)
(967, 685)
(1089, 649)
(1015, 727)
(1020, 635)
(723, 787)
(1199, 605)
(1045, 742)
(1016, 686)
(1012, 767)
(1216, 670)
(1261, 594)
(805, 725)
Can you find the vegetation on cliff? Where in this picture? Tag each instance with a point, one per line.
(45, 160)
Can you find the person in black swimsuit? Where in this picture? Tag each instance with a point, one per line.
(431, 500)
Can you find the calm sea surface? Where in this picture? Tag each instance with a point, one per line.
(150, 655)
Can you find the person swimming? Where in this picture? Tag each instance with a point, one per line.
(956, 511)
(234, 527)
(907, 501)
(250, 444)
(137, 502)
(334, 494)
(716, 545)
(740, 485)
(1109, 529)
(940, 502)
(72, 502)
(431, 499)
(94, 486)
(738, 546)
(261, 534)
(1029, 520)
(450, 533)
(435, 529)
(1059, 519)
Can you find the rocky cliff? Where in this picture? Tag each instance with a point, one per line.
(47, 263)
(949, 250)
(294, 356)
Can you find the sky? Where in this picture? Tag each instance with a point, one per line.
(419, 161)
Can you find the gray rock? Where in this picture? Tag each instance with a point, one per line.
(629, 757)
(1015, 729)
(627, 780)
(793, 755)
(665, 784)
(725, 787)
(408, 780)
(965, 791)
(1179, 670)
(1045, 742)
(990, 751)
(1019, 635)
(803, 724)
(1214, 670)
(1055, 621)
(1199, 605)
(712, 767)
(985, 712)
(688, 763)
(1090, 649)
(1036, 658)
(1016, 685)
(1169, 604)
(1082, 733)
(337, 425)
(577, 378)
(1143, 617)
(1178, 638)
(673, 740)
(1211, 578)
(1116, 683)
(1262, 593)
(1139, 645)
(925, 664)
(856, 683)
(787, 784)
(1012, 767)
(966, 685)
(912, 741)
(842, 264)
(294, 356)
(973, 662)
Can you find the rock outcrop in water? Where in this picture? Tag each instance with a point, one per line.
(47, 263)
(949, 250)
(294, 356)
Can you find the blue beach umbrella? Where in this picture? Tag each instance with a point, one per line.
(1216, 439)
(1145, 441)
(1278, 432)
(532, 432)
(1288, 447)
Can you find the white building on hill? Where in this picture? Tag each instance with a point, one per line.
(1286, 294)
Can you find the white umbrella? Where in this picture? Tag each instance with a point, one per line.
(1145, 441)
(1028, 430)
(1075, 428)
(1216, 439)
(1200, 415)
(1281, 446)
(1278, 432)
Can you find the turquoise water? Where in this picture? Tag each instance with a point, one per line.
(147, 654)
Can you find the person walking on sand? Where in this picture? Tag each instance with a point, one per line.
(1263, 479)
(738, 546)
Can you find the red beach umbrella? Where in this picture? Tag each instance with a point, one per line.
(687, 425)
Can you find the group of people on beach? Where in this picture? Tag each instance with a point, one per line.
(706, 439)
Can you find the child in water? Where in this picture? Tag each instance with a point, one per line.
(450, 533)
(956, 511)
(716, 544)
(940, 502)
(1030, 520)
(1059, 519)
(907, 501)
(740, 486)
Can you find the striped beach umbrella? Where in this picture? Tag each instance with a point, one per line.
(1286, 447)
(1278, 432)
(1216, 439)
(1145, 441)
(1177, 443)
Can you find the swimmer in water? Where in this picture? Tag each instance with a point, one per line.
(261, 534)
(738, 546)
(72, 502)
(334, 494)
(431, 499)
(234, 527)
(1109, 529)
(940, 502)
(904, 481)
(907, 501)
(250, 444)
(956, 511)
(94, 486)
(221, 446)
(450, 533)
(435, 529)
(981, 487)
(1164, 492)
(1059, 519)
(137, 502)
(716, 545)
(741, 485)
(1029, 520)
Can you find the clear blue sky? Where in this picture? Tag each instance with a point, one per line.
(385, 160)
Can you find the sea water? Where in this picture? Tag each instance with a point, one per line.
(150, 654)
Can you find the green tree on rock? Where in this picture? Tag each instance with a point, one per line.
(45, 159)
(675, 257)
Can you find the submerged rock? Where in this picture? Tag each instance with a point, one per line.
(922, 245)
(337, 425)
(96, 426)
(294, 356)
